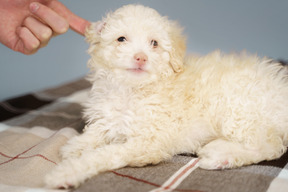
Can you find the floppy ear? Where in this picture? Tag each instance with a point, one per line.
(178, 43)
(93, 32)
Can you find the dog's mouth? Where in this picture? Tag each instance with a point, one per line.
(137, 70)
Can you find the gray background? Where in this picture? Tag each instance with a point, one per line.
(258, 26)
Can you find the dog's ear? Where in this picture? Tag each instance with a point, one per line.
(178, 50)
(93, 32)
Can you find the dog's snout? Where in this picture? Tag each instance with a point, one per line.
(140, 58)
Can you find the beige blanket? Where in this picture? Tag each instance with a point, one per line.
(33, 128)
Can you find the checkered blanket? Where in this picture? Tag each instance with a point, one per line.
(33, 128)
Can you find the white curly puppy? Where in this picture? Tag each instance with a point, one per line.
(148, 104)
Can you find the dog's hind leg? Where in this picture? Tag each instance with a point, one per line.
(135, 152)
(220, 154)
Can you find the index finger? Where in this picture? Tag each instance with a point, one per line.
(76, 23)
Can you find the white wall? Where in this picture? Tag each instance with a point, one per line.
(258, 26)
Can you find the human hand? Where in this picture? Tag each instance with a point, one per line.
(28, 25)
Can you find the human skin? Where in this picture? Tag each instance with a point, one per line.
(28, 25)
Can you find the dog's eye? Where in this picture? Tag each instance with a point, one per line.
(121, 39)
(154, 43)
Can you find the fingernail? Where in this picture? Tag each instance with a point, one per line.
(34, 7)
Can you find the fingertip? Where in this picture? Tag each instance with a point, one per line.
(46, 34)
(85, 27)
(64, 28)
(61, 26)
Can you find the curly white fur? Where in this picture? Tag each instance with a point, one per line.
(148, 103)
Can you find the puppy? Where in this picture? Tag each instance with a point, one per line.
(148, 102)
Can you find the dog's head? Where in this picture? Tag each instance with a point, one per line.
(136, 41)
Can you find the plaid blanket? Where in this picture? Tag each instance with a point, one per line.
(33, 128)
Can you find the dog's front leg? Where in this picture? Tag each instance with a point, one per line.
(135, 152)
(89, 140)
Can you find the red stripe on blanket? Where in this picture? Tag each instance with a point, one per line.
(36, 155)
(149, 183)
(136, 179)
(18, 156)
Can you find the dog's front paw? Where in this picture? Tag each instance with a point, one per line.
(64, 176)
(59, 183)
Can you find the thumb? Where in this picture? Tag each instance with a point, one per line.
(76, 23)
